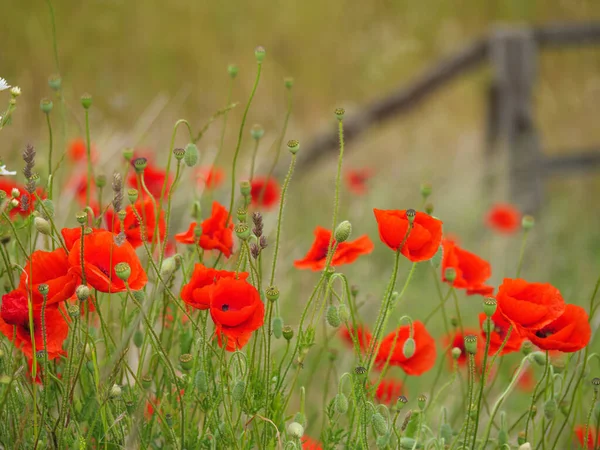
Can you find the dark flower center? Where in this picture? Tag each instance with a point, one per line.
(225, 307)
(543, 333)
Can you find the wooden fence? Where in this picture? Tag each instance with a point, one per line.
(512, 55)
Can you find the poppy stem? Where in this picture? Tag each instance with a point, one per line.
(483, 378)
(458, 316)
(225, 117)
(522, 252)
(167, 214)
(533, 398)
(50, 145)
(88, 147)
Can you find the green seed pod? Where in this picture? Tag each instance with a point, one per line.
(333, 316)
(421, 402)
(339, 113)
(288, 82)
(272, 293)
(259, 53)
(489, 306)
(471, 344)
(257, 132)
(401, 402)
(408, 349)
(379, 424)
(343, 231)
(277, 327)
(132, 195)
(169, 420)
(426, 189)
(237, 393)
(146, 381)
(169, 266)
(233, 70)
(550, 408)
(450, 274)
(456, 352)
(527, 348)
(341, 403)
(186, 361)
(55, 82)
(201, 382)
(245, 188)
(86, 101)
(410, 215)
(288, 333)
(242, 230)
(115, 391)
(46, 106)
(48, 209)
(408, 443)
(179, 153)
(123, 271)
(138, 338)
(293, 146)
(127, 153)
(528, 222)
(191, 155)
(429, 209)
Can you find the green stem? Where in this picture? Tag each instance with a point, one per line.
(522, 252)
(482, 379)
(50, 145)
(88, 145)
(336, 202)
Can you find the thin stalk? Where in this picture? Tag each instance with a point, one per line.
(88, 147)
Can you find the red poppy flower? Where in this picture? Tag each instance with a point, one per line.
(503, 218)
(133, 228)
(423, 241)
(388, 391)
(154, 179)
(425, 352)
(197, 292)
(568, 333)
(78, 184)
(210, 177)
(264, 192)
(363, 336)
(78, 151)
(310, 444)
(237, 311)
(499, 329)
(346, 252)
(51, 268)
(14, 323)
(7, 185)
(484, 289)
(471, 271)
(593, 436)
(103, 249)
(356, 180)
(71, 235)
(529, 306)
(216, 235)
(457, 339)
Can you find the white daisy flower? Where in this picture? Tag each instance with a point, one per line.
(3, 84)
(15, 91)
(3, 171)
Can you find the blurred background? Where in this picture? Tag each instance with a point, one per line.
(147, 64)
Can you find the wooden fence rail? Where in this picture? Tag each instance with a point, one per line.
(512, 54)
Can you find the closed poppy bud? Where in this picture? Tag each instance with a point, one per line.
(288, 333)
(201, 382)
(123, 271)
(257, 132)
(245, 188)
(456, 352)
(528, 222)
(82, 292)
(237, 393)
(73, 311)
(489, 306)
(339, 113)
(232, 70)
(146, 381)
(138, 338)
(407, 443)
(132, 195)
(86, 101)
(128, 153)
(115, 391)
(186, 361)
(46, 106)
(293, 146)
(421, 401)
(450, 274)
(550, 409)
(295, 430)
(564, 408)
(169, 266)
(526, 348)
(539, 357)
(191, 155)
(426, 190)
(471, 344)
(272, 293)
(525, 446)
(42, 226)
(379, 424)
(408, 350)
(343, 231)
(343, 313)
(277, 327)
(333, 316)
(341, 403)
(259, 53)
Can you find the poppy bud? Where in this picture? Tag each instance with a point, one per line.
(242, 231)
(272, 293)
(140, 164)
(100, 180)
(408, 443)
(450, 274)
(138, 338)
(169, 420)
(232, 70)
(446, 433)
(179, 153)
(339, 113)
(169, 266)
(146, 381)
(86, 101)
(115, 391)
(521, 438)
(245, 188)
(437, 258)
(539, 357)
(295, 430)
(43, 289)
(237, 393)
(186, 361)
(55, 82)
(46, 105)
(421, 401)
(132, 195)
(408, 349)
(526, 348)
(343, 231)
(257, 132)
(259, 53)
(528, 222)
(341, 403)
(564, 407)
(201, 382)
(128, 153)
(288, 82)
(379, 424)
(471, 344)
(15, 193)
(288, 333)
(82, 292)
(425, 190)
(241, 214)
(525, 446)
(277, 327)
(410, 215)
(489, 306)
(191, 155)
(81, 217)
(14, 203)
(293, 146)
(343, 313)
(140, 296)
(73, 311)
(123, 271)
(333, 316)
(550, 409)
(429, 208)
(300, 418)
(42, 226)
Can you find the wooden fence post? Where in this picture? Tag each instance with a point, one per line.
(513, 54)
